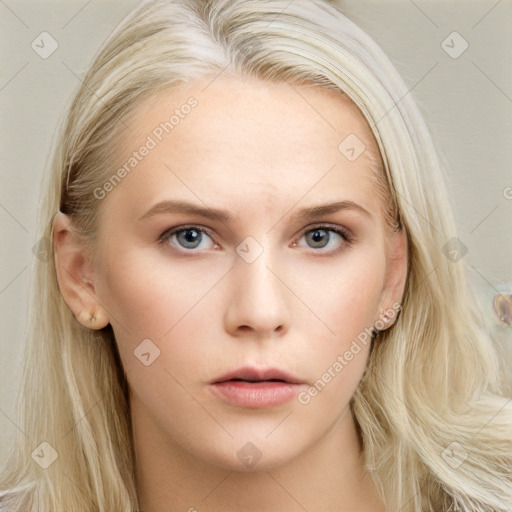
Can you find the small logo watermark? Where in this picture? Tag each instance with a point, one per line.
(146, 352)
(249, 249)
(42, 250)
(249, 455)
(454, 45)
(454, 250)
(454, 455)
(45, 455)
(351, 147)
(44, 45)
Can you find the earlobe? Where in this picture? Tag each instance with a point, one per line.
(96, 319)
(388, 317)
(75, 275)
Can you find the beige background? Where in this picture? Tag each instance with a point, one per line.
(467, 102)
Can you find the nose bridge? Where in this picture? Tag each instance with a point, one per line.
(259, 301)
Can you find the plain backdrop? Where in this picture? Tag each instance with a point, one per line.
(465, 96)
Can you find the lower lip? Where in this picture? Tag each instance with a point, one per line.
(256, 395)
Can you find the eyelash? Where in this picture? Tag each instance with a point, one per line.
(343, 233)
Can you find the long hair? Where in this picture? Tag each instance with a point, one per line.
(435, 426)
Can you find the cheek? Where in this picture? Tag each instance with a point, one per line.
(148, 295)
(344, 297)
(346, 302)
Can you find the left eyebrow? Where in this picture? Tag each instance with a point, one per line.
(326, 209)
(303, 214)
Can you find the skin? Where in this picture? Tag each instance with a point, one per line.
(261, 151)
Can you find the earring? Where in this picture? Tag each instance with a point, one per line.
(93, 320)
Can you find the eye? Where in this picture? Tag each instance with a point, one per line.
(196, 237)
(187, 237)
(321, 237)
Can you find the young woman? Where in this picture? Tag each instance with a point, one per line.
(252, 301)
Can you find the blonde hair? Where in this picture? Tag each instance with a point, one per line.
(435, 426)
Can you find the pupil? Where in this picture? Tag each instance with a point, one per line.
(191, 236)
(318, 235)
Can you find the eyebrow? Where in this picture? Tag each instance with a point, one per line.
(177, 206)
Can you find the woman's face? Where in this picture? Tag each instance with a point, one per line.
(241, 258)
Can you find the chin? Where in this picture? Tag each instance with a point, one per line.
(245, 456)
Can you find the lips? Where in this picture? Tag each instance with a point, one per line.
(254, 388)
(254, 375)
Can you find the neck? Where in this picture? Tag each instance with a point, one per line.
(329, 475)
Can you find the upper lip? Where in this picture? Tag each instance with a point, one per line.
(251, 373)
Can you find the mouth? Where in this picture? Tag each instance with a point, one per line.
(254, 388)
(254, 375)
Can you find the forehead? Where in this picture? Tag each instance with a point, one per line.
(230, 137)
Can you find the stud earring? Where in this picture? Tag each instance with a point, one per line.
(92, 320)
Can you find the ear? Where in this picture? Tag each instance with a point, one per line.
(396, 275)
(75, 274)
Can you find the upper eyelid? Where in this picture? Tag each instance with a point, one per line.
(210, 231)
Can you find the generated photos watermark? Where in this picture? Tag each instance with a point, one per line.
(152, 140)
(343, 360)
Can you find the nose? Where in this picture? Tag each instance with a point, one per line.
(258, 304)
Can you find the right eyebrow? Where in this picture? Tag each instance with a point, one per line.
(176, 206)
